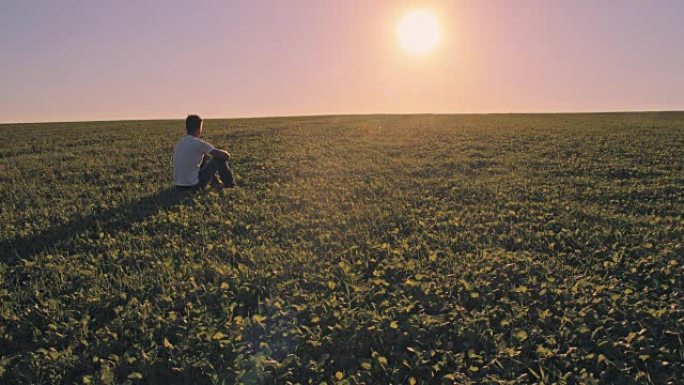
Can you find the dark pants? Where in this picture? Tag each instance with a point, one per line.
(210, 167)
(209, 170)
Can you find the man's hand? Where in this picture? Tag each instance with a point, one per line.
(220, 154)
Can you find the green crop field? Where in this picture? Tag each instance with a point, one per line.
(379, 249)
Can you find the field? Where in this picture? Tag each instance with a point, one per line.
(358, 250)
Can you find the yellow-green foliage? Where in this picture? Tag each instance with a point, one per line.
(358, 249)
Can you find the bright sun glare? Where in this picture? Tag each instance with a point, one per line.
(419, 31)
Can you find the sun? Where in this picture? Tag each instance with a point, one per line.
(419, 31)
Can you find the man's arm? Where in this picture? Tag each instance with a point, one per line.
(220, 154)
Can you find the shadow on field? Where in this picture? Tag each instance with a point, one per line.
(60, 238)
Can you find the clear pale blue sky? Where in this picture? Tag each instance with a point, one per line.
(124, 59)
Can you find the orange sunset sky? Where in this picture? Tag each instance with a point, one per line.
(95, 60)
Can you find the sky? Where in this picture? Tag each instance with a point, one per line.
(73, 60)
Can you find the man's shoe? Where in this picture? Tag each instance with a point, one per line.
(215, 183)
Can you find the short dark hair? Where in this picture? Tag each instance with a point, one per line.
(192, 123)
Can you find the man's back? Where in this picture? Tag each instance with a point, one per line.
(187, 157)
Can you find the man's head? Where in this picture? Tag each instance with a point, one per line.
(193, 125)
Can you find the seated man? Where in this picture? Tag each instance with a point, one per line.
(191, 168)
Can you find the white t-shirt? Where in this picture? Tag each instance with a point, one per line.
(187, 157)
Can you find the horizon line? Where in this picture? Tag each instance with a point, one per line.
(345, 114)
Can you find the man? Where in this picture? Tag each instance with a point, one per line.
(196, 162)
